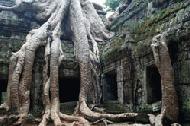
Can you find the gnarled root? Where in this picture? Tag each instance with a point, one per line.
(60, 119)
(45, 118)
(84, 110)
(64, 120)
(4, 106)
(21, 119)
(78, 121)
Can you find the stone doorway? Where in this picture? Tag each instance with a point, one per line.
(173, 51)
(69, 89)
(110, 87)
(3, 89)
(153, 80)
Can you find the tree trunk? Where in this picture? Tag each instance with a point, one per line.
(169, 108)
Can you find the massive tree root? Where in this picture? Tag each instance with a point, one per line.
(86, 28)
(169, 109)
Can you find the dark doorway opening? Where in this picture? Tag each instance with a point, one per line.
(173, 51)
(3, 89)
(69, 89)
(110, 87)
(153, 84)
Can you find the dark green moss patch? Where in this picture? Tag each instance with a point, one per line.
(113, 49)
(151, 26)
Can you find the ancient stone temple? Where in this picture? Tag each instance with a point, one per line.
(142, 68)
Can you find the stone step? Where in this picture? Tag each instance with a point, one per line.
(68, 107)
(109, 107)
(115, 107)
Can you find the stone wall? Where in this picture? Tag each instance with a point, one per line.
(182, 80)
(134, 32)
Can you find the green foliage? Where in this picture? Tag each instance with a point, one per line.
(113, 4)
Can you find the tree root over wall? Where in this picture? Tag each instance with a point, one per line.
(169, 109)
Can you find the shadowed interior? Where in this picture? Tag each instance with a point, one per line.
(110, 89)
(153, 84)
(69, 89)
(3, 89)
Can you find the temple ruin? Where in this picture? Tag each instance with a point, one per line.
(143, 67)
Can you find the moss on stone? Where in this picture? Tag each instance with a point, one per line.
(113, 48)
(114, 107)
(151, 26)
(142, 47)
(185, 110)
(68, 107)
(145, 108)
(143, 30)
(186, 105)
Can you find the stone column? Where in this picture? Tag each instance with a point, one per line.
(103, 83)
(119, 77)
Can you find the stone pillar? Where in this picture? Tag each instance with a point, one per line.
(3, 97)
(103, 83)
(127, 81)
(119, 77)
(145, 93)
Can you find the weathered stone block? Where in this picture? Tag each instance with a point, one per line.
(184, 102)
(184, 72)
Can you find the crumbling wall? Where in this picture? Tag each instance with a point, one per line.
(182, 81)
(175, 20)
(12, 33)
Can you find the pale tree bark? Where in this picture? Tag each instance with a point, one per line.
(169, 109)
(86, 27)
